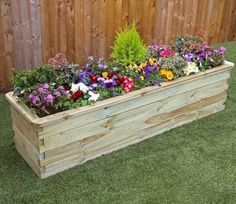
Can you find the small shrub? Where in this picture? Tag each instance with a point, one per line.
(129, 48)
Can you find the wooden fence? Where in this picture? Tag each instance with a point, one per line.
(32, 31)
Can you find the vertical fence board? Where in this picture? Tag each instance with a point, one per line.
(32, 31)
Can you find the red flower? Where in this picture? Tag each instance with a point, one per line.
(75, 96)
(128, 84)
(111, 74)
(167, 53)
(93, 78)
(67, 88)
(120, 80)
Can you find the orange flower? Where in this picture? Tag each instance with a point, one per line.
(169, 75)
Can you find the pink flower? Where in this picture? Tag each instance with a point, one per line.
(167, 53)
(49, 98)
(128, 84)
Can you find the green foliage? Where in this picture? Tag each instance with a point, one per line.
(108, 93)
(37, 75)
(129, 47)
(66, 75)
(173, 63)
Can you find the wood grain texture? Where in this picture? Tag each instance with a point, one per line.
(32, 31)
(58, 142)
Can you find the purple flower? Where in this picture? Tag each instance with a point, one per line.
(30, 96)
(45, 86)
(100, 66)
(222, 50)
(61, 88)
(147, 76)
(109, 83)
(57, 94)
(138, 77)
(49, 98)
(35, 99)
(41, 90)
(188, 57)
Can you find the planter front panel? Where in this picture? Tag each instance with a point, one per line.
(55, 143)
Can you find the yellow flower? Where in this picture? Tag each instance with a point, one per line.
(163, 72)
(105, 74)
(151, 61)
(141, 78)
(130, 66)
(136, 66)
(169, 75)
(142, 65)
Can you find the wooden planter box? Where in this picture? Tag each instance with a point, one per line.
(60, 141)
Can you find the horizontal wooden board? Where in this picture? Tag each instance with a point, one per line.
(24, 127)
(95, 147)
(139, 113)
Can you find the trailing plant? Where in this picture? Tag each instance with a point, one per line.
(129, 47)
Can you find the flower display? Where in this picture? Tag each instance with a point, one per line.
(45, 98)
(61, 86)
(190, 68)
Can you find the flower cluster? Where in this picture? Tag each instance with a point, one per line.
(190, 68)
(59, 61)
(154, 51)
(167, 74)
(45, 98)
(60, 86)
(206, 57)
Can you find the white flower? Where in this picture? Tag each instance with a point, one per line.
(190, 68)
(93, 96)
(83, 87)
(74, 87)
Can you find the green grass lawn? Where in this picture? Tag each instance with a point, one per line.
(195, 163)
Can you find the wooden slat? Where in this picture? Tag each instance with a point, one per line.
(103, 144)
(121, 124)
(33, 31)
(139, 113)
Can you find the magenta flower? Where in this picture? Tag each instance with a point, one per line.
(30, 96)
(61, 88)
(49, 98)
(41, 90)
(57, 94)
(45, 86)
(35, 99)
